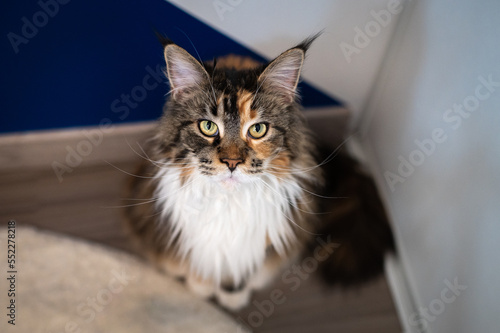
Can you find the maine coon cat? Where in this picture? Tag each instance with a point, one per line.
(229, 188)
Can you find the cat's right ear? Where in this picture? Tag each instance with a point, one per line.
(281, 75)
(184, 72)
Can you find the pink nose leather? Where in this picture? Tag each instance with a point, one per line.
(231, 163)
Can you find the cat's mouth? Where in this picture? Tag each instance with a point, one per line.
(231, 180)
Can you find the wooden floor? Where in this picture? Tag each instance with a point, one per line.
(85, 204)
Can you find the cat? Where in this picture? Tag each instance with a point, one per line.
(229, 185)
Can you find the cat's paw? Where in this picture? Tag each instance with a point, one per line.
(202, 288)
(233, 300)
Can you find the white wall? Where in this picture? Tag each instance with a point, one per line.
(447, 210)
(270, 27)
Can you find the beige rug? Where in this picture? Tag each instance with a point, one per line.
(68, 285)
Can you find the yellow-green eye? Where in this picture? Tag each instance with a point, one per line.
(257, 131)
(208, 128)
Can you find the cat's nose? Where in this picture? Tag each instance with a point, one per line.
(231, 162)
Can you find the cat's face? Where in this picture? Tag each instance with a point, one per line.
(238, 141)
(232, 125)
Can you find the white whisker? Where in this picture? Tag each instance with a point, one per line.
(201, 62)
(151, 200)
(289, 218)
(293, 204)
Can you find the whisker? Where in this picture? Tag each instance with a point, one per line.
(159, 211)
(132, 148)
(258, 88)
(302, 199)
(151, 200)
(289, 201)
(328, 159)
(146, 157)
(180, 165)
(135, 199)
(172, 90)
(134, 204)
(312, 193)
(128, 173)
(188, 164)
(201, 61)
(289, 218)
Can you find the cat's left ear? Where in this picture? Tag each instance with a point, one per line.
(282, 75)
(184, 72)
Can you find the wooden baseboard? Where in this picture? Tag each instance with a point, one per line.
(83, 146)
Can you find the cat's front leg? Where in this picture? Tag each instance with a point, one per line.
(236, 298)
(173, 267)
(272, 266)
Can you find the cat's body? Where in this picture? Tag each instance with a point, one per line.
(229, 181)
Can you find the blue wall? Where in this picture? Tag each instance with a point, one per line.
(84, 58)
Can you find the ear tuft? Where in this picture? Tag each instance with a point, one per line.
(306, 43)
(164, 40)
(184, 72)
(282, 75)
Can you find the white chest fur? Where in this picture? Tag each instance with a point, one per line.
(223, 232)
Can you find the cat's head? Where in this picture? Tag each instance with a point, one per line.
(233, 124)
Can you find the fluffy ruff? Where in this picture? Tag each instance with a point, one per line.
(214, 222)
